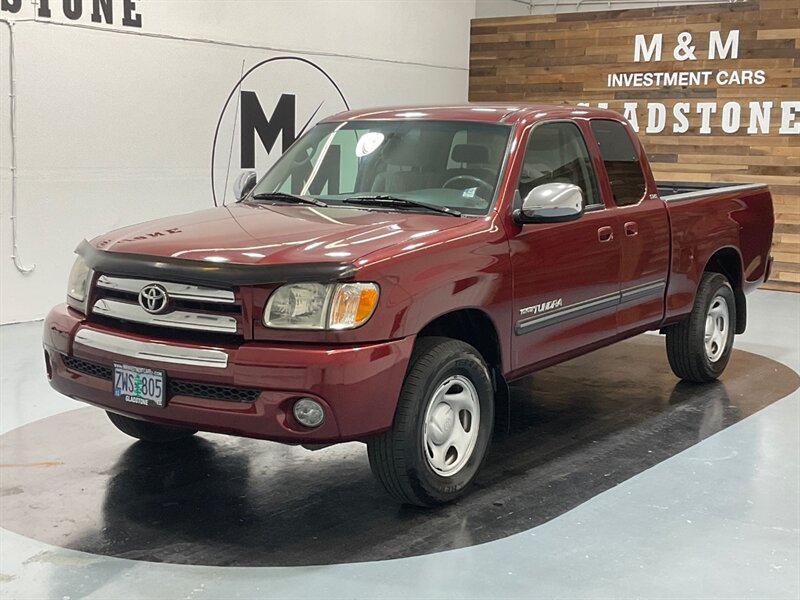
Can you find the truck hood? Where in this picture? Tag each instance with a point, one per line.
(269, 234)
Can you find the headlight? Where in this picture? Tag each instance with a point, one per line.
(78, 284)
(321, 306)
(298, 306)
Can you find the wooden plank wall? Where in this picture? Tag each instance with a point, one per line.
(566, 58)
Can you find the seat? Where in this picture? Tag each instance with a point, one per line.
(404, 172)
(473, 159)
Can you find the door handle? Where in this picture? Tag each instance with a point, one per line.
(631, 228)
(605, 234)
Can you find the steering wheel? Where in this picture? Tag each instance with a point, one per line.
(470, 179)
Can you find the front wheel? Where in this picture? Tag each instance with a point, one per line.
(149, 432)
(699, 347)
(442, 426)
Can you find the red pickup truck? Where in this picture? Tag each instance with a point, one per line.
(392, 271)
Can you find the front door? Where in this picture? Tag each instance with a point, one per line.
(566, 275)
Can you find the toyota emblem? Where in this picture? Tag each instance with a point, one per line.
(153, 298)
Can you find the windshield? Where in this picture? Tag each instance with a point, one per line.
(453, 164)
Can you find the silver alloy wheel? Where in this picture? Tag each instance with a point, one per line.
(452, 421)
(717, 323)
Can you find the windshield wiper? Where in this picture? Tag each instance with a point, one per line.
(386, 200)
(284, 197)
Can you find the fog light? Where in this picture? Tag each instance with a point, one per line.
(308, 412)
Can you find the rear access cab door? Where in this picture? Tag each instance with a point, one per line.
(642, 221)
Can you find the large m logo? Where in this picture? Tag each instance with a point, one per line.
(253, 120)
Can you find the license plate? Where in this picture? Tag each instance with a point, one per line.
(139, 385)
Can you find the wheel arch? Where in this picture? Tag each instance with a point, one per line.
(728, 262)
(476, 328)
(470, 325)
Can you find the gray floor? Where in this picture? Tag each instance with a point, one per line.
(719, 520)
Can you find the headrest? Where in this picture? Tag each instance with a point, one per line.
(470, 154)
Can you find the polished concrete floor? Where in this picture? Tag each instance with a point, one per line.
(613, 480)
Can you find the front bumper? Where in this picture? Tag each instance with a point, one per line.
(357, 385)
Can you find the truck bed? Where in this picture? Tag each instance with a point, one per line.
(686, 190)
(711, 221)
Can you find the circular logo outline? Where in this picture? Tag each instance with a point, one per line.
(238, 86)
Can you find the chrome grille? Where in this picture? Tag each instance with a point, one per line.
(177, 291)
(180, 319)
(189, 307)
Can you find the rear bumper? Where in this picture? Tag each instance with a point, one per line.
(357, 385)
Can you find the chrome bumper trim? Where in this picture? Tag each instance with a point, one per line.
(177, 319)
(179, 291)
(177, 355)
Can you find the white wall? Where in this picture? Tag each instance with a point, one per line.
(115, 124)
(502, 8)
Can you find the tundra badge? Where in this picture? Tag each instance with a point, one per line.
(543, 307)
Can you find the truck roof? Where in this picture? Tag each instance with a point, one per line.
(510, 113)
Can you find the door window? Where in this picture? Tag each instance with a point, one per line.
(619, 156)
(556, 152)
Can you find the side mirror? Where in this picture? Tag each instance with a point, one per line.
(551, 203)
(245, 182)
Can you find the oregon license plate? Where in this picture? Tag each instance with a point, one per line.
(139, 385)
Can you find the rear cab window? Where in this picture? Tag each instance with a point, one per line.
(625, 174)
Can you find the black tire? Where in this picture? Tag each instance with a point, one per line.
(398, 457)
(149, 432)
(686, 347)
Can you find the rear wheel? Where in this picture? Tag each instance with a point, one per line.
(699, 347)
(442, 427)
(149, 432)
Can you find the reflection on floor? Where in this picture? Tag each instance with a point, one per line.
(576, 430)
(590, 492)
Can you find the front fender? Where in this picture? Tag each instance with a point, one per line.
(468, 272)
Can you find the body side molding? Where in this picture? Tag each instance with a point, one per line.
(589, 306)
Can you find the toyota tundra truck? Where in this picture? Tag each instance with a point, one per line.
(391, 273)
